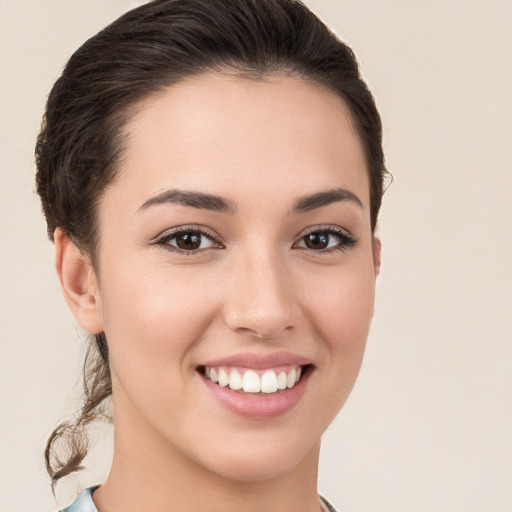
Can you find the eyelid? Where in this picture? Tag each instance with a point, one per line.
(325, 227)
(163, 238)
(347, 240)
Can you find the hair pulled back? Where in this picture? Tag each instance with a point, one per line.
(79, 149)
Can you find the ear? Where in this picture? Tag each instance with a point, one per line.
(78, 282)
(377, 249)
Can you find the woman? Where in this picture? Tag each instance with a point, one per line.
(211, 174)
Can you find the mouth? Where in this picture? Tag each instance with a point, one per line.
(256, 381)
(257, 386)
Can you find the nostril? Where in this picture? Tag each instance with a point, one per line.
(263, 332)
(261, 312)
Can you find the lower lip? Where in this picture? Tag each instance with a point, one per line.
(259, 405)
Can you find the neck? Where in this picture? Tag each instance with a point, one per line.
(149, 474)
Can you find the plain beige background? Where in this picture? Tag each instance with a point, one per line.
(429, 424)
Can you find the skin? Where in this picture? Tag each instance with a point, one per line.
(256, 288)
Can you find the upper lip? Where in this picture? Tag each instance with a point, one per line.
(260, 361)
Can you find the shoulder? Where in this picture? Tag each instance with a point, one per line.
(83, 503)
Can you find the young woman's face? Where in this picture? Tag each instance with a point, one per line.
(235, 246)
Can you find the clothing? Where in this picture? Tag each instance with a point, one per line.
(329, 507)
(84, 503)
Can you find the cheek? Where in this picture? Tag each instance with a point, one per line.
(155, 316)
(343, 309)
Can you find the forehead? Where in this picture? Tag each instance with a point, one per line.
(217, 133)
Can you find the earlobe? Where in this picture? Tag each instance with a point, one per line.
(78, 282)
(377, 249)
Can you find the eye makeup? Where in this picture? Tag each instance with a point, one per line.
(189, 240)
(325, 239)
(195, 239)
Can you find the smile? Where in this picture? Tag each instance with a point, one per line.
(257, 386)
(249, 380)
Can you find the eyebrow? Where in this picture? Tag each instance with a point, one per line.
(321, 199)
(193, 199)
(205, 201)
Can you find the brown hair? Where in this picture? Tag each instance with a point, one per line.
(145, 50)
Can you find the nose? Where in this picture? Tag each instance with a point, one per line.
(259, 300)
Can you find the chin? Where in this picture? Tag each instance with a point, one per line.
(262, 460)
(255, 470)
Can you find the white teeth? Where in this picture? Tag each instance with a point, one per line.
(235, 380)
(291, 379)
(269, 382)
(281, 380)
(251, 382)
(223, 378)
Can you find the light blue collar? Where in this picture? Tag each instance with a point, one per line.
(83, 503)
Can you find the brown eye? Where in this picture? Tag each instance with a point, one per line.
(188, 241)
(326, 240)
(317, 241)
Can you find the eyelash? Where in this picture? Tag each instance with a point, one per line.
(345, 239)
(165, 239)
